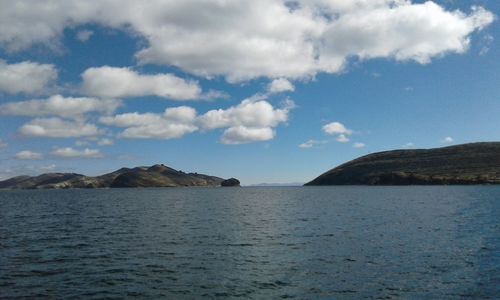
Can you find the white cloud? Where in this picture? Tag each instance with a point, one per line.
(28, 155)
(84, 35)
(243, 135)
(105, 142)
(409, 145)
(252, 120)
(114, 82)
(342, 138)
(358, 145)
(162, 130)
(25, 77)
(57, 105)
(335, 128)
(131, 119)
(447, 140)
(69, 152)
(311, 143)
(3, 144)
(251, 112)
(181, 114)
(174, 123)
(280, 85)
(241, 40)
(57, 128)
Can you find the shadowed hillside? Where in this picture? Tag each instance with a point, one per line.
(477, 163)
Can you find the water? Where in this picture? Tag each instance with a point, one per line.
(255, 243)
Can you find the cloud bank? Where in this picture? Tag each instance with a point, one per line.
(242, 40)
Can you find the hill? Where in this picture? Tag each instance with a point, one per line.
(154, 176)
(476, 163)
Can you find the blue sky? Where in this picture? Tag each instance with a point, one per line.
(84, 88)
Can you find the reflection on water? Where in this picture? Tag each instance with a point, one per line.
(314, 242)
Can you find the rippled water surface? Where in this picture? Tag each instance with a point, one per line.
(258, 243)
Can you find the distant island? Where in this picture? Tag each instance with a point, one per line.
(475, 163)
(154, 176)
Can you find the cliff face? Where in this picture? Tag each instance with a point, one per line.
(477, 163)
(155, 176)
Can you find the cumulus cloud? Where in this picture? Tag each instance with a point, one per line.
(57, 105)
(409, 145)
(252, 112)
(174, 123)
(3, 144)
(335, 128)
(447, 140)
(25, 77)
(358, 145)
(252, 120)
(57, 128)
(112, 82)
(280, 85)
(84, 35)
(28, 155)
(338, 130)
(243, 135)
(69, 152)
(241, 40)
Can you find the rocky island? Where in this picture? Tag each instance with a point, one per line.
(475, 163)
(230, 182)
(154, 176)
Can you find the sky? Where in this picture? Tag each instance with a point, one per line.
(267, 91)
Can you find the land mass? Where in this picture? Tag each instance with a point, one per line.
(154, 176)
(475, 163)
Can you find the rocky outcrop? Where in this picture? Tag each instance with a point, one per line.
(154, 176)
(477, 163)
(230, 182)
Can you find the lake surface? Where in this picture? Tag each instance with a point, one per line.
(255, 243)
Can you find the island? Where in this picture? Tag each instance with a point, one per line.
(474, 163)
(230, 182)
(154, 176)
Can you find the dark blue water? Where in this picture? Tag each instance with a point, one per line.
(256, 243)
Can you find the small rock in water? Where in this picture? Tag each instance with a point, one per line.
(230, 182)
